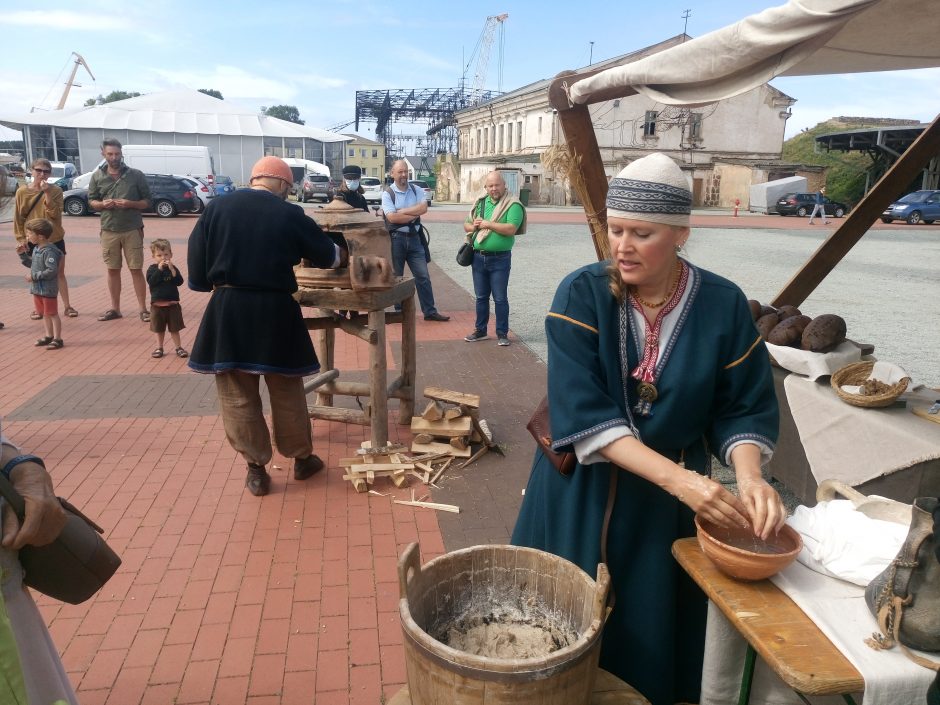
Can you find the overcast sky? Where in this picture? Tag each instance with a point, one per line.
(316, 55)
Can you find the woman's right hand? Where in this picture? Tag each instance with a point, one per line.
(708, 499)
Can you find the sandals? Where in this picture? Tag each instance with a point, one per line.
(44, 341)
(35, 316)
(109, 315)
(180, 352)
(158, 352)
(144, 316)
(70, 312)
(55, 344)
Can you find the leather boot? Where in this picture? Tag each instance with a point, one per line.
(258, 481)
(914, 574)
(307, 467)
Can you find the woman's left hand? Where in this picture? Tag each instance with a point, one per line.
(764, 506)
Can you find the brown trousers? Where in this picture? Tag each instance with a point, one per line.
(243, 417)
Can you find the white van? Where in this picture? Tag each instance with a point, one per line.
(186, 160)
(301, 167)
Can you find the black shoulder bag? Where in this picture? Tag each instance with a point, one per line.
(465, 251)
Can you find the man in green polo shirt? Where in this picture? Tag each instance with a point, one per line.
(120, 193)
(495, 220)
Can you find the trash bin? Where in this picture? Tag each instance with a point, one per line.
(524, 196)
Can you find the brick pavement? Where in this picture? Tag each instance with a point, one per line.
(222, 597)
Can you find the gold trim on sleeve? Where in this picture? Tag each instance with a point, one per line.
(745, 355)
(571, 320)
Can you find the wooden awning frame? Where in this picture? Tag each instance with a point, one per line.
(588, 179)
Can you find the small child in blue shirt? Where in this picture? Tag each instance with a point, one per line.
(43, 279)
(164, 280)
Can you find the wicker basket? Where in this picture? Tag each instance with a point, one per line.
(856, 374)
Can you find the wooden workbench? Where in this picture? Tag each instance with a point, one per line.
(369, 326)
(774, 627)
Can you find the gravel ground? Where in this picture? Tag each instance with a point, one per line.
(886, 288)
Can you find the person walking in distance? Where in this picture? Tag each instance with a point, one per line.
(120, 194)
(820, 207)
(243, 249)
(403, 205)
(495, 221)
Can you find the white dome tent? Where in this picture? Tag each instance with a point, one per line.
(236, 136)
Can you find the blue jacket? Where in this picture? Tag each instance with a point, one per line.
(44, 270)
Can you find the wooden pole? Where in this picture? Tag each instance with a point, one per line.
(409, 361)
(869, 209)
(377, 376)
(325, 339)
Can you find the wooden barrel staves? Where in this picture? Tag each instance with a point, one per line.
(447, 586)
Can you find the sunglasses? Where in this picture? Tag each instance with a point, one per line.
(42, 171)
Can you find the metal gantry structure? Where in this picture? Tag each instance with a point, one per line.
(433, 106)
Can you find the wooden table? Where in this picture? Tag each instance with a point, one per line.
(775, 628)
(369, 327)
(608, 690)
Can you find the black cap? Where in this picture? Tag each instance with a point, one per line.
(352, 171)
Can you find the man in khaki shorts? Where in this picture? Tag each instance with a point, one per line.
(120, 193)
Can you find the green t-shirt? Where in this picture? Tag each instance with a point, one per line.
(131, 185)
(495, 242)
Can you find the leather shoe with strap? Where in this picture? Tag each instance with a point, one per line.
(437, 317)
(258, 481)
(307, 467)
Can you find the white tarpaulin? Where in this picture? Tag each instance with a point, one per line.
(801, 38)
(184, 111)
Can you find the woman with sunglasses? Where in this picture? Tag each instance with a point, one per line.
(40, 199)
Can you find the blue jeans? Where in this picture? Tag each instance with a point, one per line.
(491, 276)
(408, 248)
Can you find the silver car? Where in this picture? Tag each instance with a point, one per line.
(372, 188)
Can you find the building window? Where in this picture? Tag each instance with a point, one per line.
(479, 143)
(375, 171)
(649, 123)
(509, 137)
(540, 125)
(501, 129)
(66, 146)
(486, 139)
(375, 154)
(294, 147)
(519, 135)
(362, 153)
(695, 126)
(273, 147)
(352, 151)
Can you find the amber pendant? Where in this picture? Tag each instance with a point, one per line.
(647, 392)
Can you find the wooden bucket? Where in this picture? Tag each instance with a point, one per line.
(444, 586)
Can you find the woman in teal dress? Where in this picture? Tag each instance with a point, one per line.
(653, 365)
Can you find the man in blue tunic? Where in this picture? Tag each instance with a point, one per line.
(653, 364)
(243, 249)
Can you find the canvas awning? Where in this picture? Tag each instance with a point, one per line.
(801, 38)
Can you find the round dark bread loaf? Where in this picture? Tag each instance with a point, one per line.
(787, 311)
(755, 308)
(789, 331)
(766, 323)
(823, 333)
(766, 310)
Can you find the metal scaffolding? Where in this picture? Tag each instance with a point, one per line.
(433, 106)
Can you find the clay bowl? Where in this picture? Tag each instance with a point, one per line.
(738, 553)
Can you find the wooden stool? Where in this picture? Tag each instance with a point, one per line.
(608, 690)
(372, 331)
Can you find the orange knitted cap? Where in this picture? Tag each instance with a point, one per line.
(273, 167)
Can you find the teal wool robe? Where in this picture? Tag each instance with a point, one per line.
(715, 388)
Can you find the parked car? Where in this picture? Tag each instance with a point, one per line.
(316, 187)
(428, 192)
(373, 189)
(802, 204)
(202, 189)
(170, 195)
(9, 188)
(914, 208)
(224, 185)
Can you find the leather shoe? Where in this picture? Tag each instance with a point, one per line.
(307, 467)
(258, 481)
(437, 317)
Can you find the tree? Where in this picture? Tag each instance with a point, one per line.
(111, 97)
(284, 112)
(213, 92)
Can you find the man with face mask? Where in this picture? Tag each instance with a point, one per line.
(243, 249)
(351, 191)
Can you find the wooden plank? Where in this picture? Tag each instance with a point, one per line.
(430, 505)
(447, 429)
(857, 223)
(356, 464)
(349, 300)
(439, 448)
(332, 413)
(779, 631)
(451, 397)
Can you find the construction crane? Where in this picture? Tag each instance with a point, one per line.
(79, 60)
(482, 53)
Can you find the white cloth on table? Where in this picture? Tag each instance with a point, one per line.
(852, 444)
(886, 372)
(814, 365)
(838, 608)
(843, 543)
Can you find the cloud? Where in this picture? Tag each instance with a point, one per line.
(232, 81)
(66, 20)
(409, 54)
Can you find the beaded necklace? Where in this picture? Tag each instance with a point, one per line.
(668, 295)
